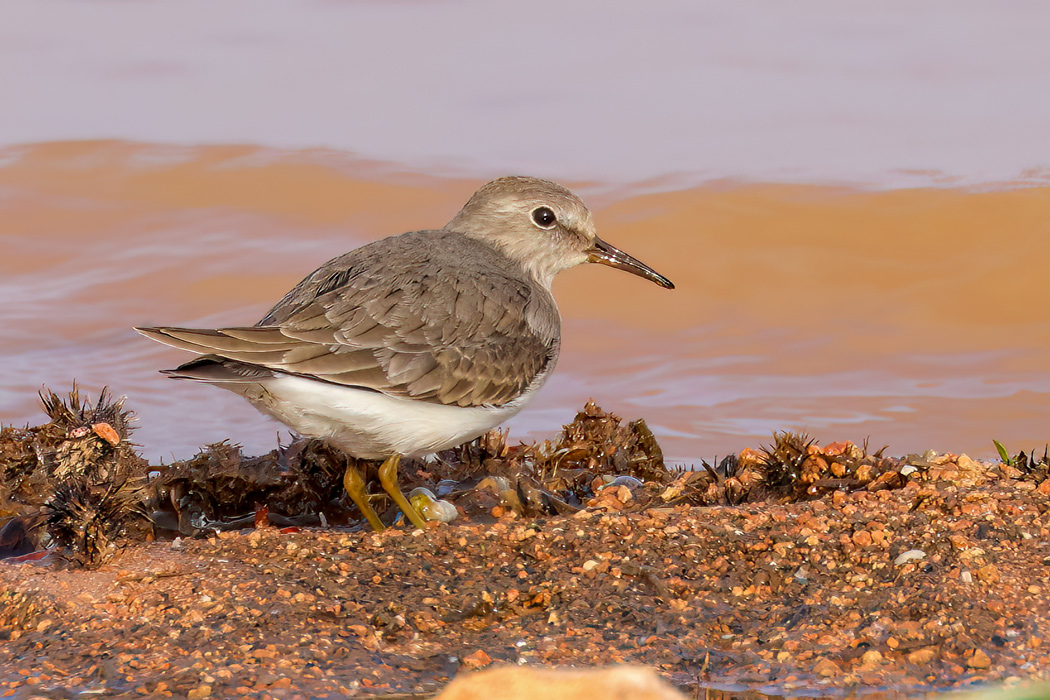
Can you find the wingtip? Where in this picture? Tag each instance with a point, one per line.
(177, 372)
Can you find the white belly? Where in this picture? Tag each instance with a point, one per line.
(368, 424)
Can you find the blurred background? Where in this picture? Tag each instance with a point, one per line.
(853, 200)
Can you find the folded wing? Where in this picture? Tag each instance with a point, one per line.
(438, 322)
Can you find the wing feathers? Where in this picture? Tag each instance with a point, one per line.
(442, 318)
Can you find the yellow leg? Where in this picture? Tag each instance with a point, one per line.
(388, 478)
(354, 483)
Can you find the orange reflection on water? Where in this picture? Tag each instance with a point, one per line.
(914, 318)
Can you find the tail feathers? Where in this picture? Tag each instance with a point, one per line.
(247, 340)
(219, 370)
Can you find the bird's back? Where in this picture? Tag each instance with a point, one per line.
(429, 315)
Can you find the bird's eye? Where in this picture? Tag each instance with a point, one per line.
(544, 217)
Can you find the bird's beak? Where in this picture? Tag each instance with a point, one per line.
(606, 254)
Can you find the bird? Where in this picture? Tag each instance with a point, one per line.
(415, 343)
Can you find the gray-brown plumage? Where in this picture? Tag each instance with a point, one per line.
(383, 317)
(418, 342)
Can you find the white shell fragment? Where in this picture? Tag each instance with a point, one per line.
(909, 556)
(430, 507)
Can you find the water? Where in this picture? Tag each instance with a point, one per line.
(891, 93)
(853, 202)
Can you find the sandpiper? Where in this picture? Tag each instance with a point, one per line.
(415, 343)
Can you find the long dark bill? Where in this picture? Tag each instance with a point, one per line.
(607, 254)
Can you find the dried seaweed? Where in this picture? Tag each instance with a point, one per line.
(220, 485)
(77, 474)
(84, 473)
(87, 520)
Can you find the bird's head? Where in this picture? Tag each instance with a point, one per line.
(542, 226)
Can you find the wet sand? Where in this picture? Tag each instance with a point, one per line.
(940, 584)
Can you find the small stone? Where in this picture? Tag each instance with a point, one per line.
(201, 691)
(862, 538)
(922, 656)
(477, 659)
(988, 573)
(871, 658)
(909, 556)
(979, 660)
(826, 668)
(266, 678)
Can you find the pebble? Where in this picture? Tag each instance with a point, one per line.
(827, 668)
(201, 691)
(979, 660)
(337, 609)
(871, 658)
(909, 556)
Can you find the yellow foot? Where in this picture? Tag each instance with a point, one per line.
(388, 478)
(354, 483)
(427, 505)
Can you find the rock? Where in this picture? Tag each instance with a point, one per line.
(909, 556)
(476, 660)
(862, 538)
(826, 668)
(979, 660)
(921, 657)
(871, 658)
(201, 691)
(523, 683)
(988, 573)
